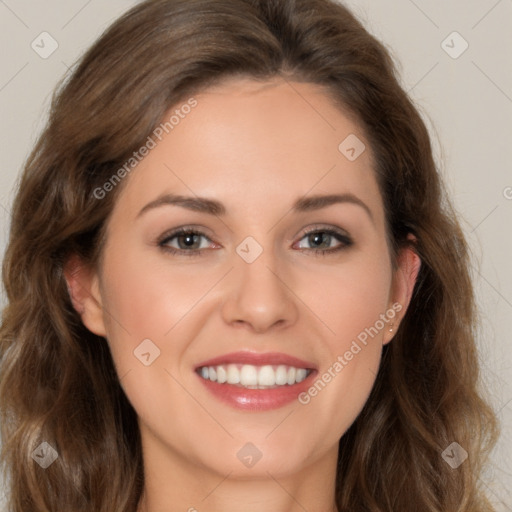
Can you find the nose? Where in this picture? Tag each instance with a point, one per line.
(259, 295)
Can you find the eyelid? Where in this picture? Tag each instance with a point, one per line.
(325, 228)
(340, 234)
(171, 233)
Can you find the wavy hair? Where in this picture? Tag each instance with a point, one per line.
(58, 381)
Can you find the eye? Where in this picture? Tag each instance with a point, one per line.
(188, 242)
(321, 240)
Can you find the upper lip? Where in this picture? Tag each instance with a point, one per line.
(258, 359)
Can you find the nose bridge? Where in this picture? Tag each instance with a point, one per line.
(258, 294)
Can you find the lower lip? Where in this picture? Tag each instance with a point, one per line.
(257, 399)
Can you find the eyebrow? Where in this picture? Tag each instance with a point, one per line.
(213, 207)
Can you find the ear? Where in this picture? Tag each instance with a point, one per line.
(404, 279)
(84, 292)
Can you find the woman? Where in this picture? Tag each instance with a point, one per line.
(234, 280)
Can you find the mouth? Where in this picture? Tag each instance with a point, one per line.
(252, 381)
(254, 377)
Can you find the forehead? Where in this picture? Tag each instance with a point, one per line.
(251, 144)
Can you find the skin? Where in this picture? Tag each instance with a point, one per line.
(256, 147)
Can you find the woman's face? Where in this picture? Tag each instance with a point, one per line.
(274, 175)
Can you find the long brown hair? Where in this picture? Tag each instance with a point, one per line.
(58, 382)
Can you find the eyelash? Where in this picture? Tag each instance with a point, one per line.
(345, 240)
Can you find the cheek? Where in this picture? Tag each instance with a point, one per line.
(152, 302)
(150, 298)
(350, 298)
(147, 300)
(357, 301)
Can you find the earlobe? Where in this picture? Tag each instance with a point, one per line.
(84, 293)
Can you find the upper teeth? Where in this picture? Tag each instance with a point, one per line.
(254, 377)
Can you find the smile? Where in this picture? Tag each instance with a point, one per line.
(254, 377)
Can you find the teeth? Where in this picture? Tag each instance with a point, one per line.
(301, 375)
(233, 375)
(266, 376)
(254, 377)
(248, 375)
(281, 375)
(222, 375)
(292, 372)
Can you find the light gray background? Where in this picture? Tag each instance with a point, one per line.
(466, 102)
